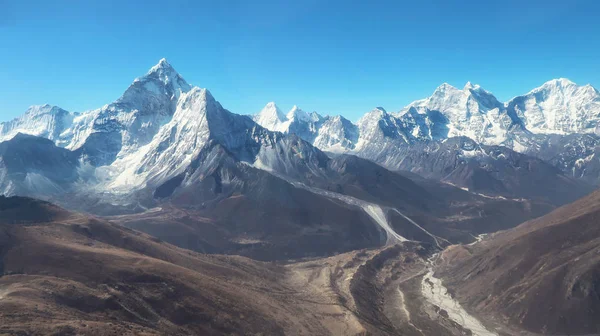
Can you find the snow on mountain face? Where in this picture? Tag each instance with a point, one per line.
(133, 120)
(472, 112)
(159, 128)
(425, 124)
(559, 106)
(271, 118)
(199, 120)
(296, 114)
(41, 120)
(336, 134)
(333, 134)
(295, 121)
(173, 148)
(378, 126)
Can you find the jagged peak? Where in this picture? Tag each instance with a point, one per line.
(560, 81)
(161, 79)
(205, 93)
(315, 116)
(271, 118)
(589, 87)
(270, 112)
(294, 109)
(196, 103)
(557, 83)
(374, 114)
(297, 113)
(44, 109)
(445, 87)
(341, 119)
(470, 86)
(163, 64)
(165, 72)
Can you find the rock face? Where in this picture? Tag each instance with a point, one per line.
(35, 166)
(541, 276)
(489, 170)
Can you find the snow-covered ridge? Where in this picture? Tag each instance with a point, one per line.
(40, 120)
(558, 106)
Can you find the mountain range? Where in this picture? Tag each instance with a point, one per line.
(558, 106)
(165, 141)
(542, 123)
(186, 218)
(153, 136)
(168, 159)
(555, 123)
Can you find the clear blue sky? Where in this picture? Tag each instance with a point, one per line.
(336, 57)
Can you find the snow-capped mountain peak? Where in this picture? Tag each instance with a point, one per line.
(161, 79)
(560, 82)
(40, 120)
(36, 110)
(472, 112)
(470, 86)
(162, 64)
(559, 106)
(449, 99)
(132, 120)
(297, 114)
(372, 118)
(271, 118)
(379, 111)
(378, 123)
(314, 116)
(557, 84)
(445, 87)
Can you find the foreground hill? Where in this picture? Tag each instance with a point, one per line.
(66, 274)
(63, 273)
(542, 276)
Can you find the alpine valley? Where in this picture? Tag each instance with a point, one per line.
(164, 213)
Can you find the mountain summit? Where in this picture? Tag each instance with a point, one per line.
(558, 106)
(271, 117)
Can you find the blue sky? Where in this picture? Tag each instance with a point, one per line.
(336, 57)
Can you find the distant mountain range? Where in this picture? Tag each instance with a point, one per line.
(558, 106)
(168, 145)
(556, 122)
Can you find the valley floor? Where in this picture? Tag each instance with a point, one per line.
(387, 291)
